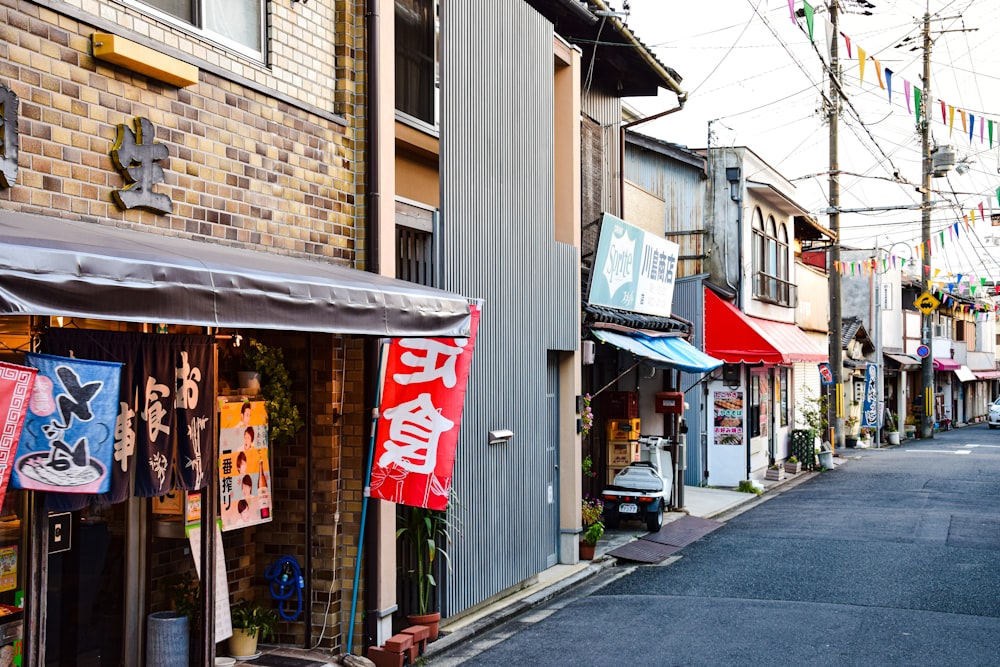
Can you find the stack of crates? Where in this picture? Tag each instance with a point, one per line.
(623, 445)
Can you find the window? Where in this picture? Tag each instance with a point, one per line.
(782, 252)
(416, 251)
(759, 242)
(416, 59)
(235, 24)
(772, 258)
(781, 380)
(771, 278)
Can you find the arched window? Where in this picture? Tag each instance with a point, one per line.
(784, 289)
(759, 243)
(772, 259)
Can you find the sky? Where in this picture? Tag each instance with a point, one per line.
(754, 79)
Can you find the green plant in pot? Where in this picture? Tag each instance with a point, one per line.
(425, 531)
(283, 418)
(593, 528)
(251, 622)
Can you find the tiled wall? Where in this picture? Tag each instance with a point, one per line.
(244, 168)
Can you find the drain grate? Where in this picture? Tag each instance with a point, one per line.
(683, 531)
(644, 551)
(655, 547)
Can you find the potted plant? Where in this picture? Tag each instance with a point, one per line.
(593, 528)
(775, 473)
(812, 411)
(866, 438)
(910, 427)
(168, 632)
(251, 622)
(283, 418)
(851, 434)
(792, 465)
(425, 530)
(892, 428)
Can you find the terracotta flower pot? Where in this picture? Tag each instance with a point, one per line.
(587, 551)
(432, 621)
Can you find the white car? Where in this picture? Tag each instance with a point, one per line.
(995, 413)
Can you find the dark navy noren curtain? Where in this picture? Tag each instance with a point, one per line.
(166, 422)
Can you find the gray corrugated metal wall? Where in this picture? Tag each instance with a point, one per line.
(606, 110)
(682, 188)
(689, 303)
(498, 222)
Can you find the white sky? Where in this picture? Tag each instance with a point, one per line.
(756, 77)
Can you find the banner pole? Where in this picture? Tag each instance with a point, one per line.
(367, 491)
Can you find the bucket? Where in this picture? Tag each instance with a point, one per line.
(826, 460)
(166, 639)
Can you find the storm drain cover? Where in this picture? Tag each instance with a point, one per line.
(683, 531)
(644, 551)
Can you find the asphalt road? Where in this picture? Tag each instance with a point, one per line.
(892, 559)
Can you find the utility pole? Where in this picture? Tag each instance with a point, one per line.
(927, 364)
(836, 318)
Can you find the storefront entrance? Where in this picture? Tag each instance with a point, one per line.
(86, 587)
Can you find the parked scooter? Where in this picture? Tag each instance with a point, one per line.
(642, 490)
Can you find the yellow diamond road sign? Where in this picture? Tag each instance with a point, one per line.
(926, 302)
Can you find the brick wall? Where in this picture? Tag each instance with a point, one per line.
(243, 168)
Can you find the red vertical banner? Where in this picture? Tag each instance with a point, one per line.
(16, 384)
(419, 418)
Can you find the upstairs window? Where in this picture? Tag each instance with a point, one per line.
(235, 24)
(759, 243)
(771, 261)
(416, 59)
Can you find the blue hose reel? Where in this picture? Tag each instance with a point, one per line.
(285, 580)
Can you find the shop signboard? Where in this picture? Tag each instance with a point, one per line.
(244, 467)
(633, 270)
(729, 417)
(869, 407)
(420, 413)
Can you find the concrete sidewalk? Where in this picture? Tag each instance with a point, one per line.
(702, 502)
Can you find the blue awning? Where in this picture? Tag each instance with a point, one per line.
(671, 352)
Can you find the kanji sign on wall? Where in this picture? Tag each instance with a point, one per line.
(419, 418)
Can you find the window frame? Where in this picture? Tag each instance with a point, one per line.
(432, 41)
(759, 240)
(204, 34)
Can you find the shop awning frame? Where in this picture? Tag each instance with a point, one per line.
(736, 337)
(661, 351)
(945, 364)
(52, 266)
(965, 374)
(905, 361)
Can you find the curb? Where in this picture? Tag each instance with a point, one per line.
(452, 639)
(604, 562)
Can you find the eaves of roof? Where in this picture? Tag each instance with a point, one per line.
(621, 62)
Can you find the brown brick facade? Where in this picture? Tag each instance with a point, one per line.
(243, 168)
(279, 172)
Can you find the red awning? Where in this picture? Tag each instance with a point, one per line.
(735, 337)
(987, 375)
(945, 364)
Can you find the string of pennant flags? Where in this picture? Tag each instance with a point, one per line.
(987, 128)
(948, 285)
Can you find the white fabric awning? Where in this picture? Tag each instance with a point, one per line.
(965, 374)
